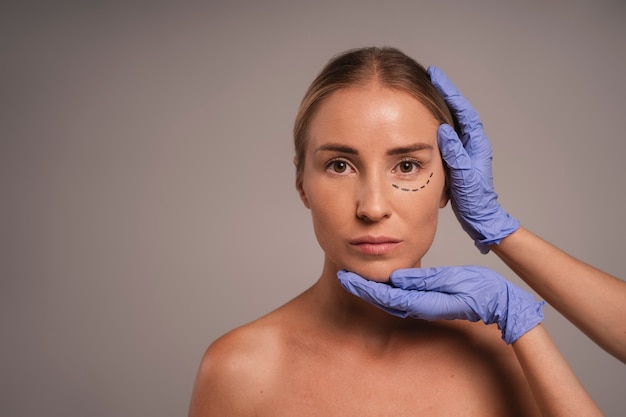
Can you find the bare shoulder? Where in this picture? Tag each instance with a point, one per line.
(273, 366)
(492, 369)
(235, 369)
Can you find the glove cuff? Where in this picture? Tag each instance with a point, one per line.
(507, 225)
(519, 322)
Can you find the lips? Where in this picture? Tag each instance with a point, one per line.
(375, 245)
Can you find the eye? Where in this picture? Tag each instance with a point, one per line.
(338, 166)
(408, 166)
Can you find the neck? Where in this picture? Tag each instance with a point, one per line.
(348, 314)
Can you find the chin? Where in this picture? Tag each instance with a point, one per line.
(378, 273)
(373, 270)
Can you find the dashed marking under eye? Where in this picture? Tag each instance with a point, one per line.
(397, 187)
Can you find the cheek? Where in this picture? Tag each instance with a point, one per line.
(420, 209)
(427, 189)
(329, 208)
(421, 217)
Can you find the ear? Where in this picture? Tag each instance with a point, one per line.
(444, 199)
(300, 187)
(445, 194)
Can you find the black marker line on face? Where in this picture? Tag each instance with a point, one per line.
(413, 189)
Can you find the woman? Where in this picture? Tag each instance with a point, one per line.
(369, 168)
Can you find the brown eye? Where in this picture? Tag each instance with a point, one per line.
(406, 166)
(339, 166)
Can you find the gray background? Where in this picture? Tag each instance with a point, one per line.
(146, 186)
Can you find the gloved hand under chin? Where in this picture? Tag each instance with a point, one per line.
(472, 293)
(473, 197)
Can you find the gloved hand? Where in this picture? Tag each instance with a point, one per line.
(472, 293)
(473, 198)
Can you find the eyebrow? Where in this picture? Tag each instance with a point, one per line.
(337, 148)
(409, 149)
(393, 151)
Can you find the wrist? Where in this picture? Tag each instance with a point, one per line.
(492, 232)
(523, 314)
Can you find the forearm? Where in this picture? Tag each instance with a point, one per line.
(555, 386)
(593, 300)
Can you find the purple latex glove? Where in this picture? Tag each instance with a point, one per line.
(471, 292)
(473, 198)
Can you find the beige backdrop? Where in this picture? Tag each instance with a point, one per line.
(146, 186)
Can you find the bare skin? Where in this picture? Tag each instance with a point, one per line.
(329, 353)
(591, 299)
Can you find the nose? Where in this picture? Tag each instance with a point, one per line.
(372, 202)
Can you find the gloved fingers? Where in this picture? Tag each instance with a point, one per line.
(451, 147)
(473, 136)
(439, 306)
(404, 303)
(415, 278)
(447, 280)
(392, 300)
(444, 279)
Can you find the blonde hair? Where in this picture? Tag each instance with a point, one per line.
(386, 66)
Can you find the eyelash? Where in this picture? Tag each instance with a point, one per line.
(416, 164)
(331, 165)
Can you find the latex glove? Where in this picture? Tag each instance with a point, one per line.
(472, 293)
(473, 197)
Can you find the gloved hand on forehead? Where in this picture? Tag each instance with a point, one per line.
(471, 293)
(473, 198)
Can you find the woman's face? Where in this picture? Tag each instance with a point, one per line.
(373, 179)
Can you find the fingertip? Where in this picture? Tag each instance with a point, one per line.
(400, 273)
(398, 280)
(410, 278)
(438, 78)
(346, 278)
(448, 141)
(441, 81)
(447, 132)
(434, 72)
(353, 282)
(342, 273)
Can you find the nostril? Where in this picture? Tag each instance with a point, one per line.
(373, 210)
(373, 198)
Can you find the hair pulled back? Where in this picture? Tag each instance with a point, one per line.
(386, 66)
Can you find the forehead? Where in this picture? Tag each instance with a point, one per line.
(373, 114)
